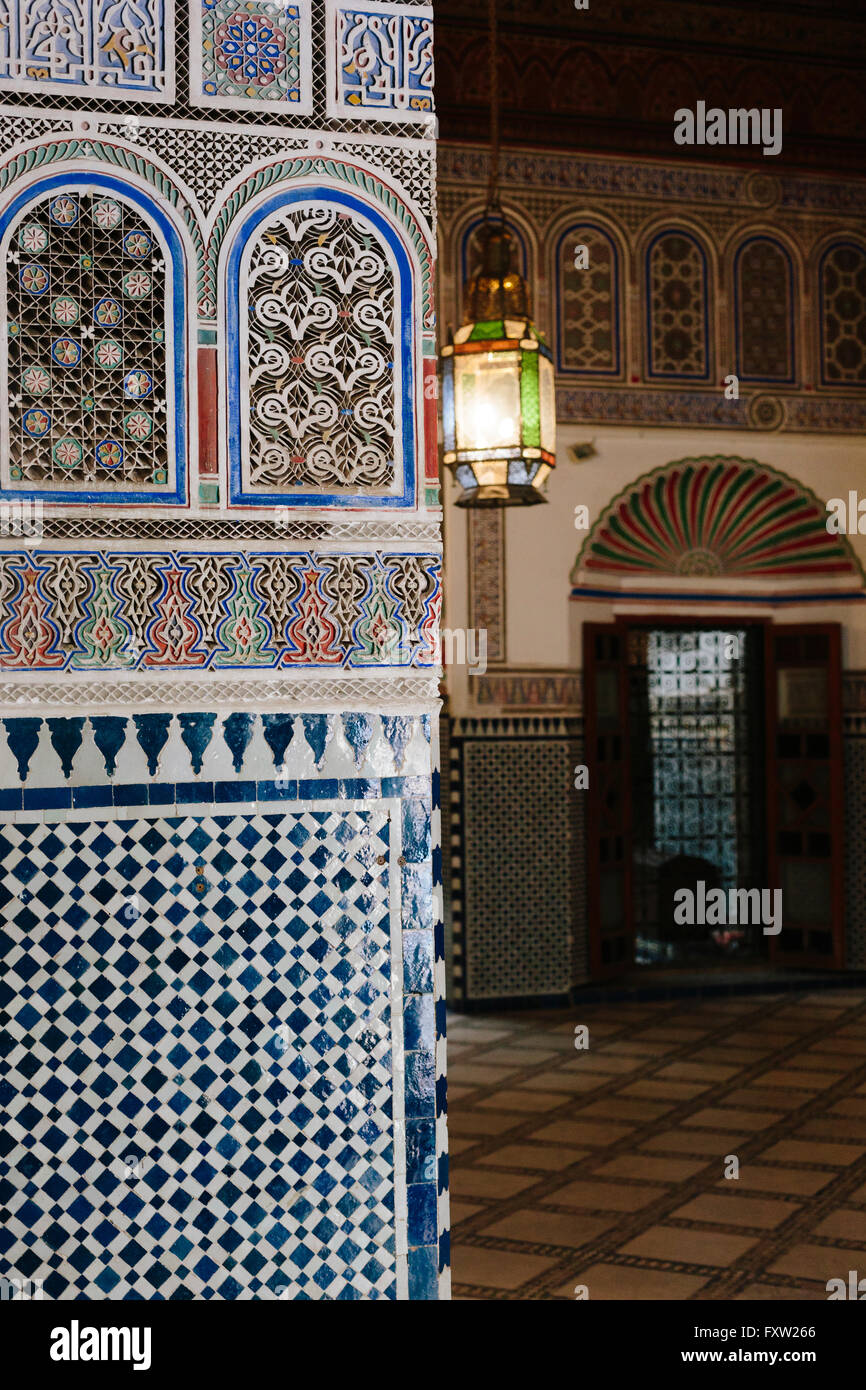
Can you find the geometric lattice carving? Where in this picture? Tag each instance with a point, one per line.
(677, 294)
(588, 304)
(714, 517)
(322, 354)
(87, 339)
(843, 315)
(117, 47)
(764, 315)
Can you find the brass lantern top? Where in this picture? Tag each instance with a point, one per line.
(496, 292)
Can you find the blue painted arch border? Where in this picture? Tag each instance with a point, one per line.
(406, 406)
(178, 363)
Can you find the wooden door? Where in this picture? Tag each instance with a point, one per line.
(609, 849)
(805, 792)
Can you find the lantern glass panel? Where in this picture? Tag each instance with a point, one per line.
(547, 401)
(487, 400)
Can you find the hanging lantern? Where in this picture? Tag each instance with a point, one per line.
(498, 403)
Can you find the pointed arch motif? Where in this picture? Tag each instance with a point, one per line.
(717, 517)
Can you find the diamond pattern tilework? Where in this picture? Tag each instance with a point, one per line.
(200, 1070)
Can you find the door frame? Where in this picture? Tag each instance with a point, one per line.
(769, 626)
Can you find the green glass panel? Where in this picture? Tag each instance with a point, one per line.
(494, 328)
(529, 404)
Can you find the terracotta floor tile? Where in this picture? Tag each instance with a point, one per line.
(720, 1116)
(478, 1074)
(778, 1293)
(852, 1105)
(843, 1225)
(820, 1262)
(478, 1182)
(495, 1269)
(793, 1181)
(695, 1142)
(605, 1062)
(459, 1146)
(546, 1157)
(548, 1228)
(480, 1122)
(689, 1247)
(840, 1129)
(811, 1151)
(607, 1282)
(696, 1071)
(664, 1090)
(457, 1092)
(723, 1210)
(522, 1100)
(562, 1080)
(859, 1195)
(643, 1166)
(586, 1132)
(790, 1078)
(725, 1056)
(604, 1196)
(626, 1108)
(762, 1098)
(461, 1210)
(521, 1056)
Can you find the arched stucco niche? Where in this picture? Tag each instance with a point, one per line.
(716, 535)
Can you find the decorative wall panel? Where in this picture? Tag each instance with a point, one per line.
(517, 896)
(255, 54)
(380, 61)
(323, 427)
(88, 333)
(323, 355)
(588, 303)
(717, 516)
(92, 611)
(843, 315)
(118, 48)
(189, 989)
(764, 311)
(670, 373)
(677, 311)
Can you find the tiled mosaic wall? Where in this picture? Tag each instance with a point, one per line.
(517, 856)
(220, 585)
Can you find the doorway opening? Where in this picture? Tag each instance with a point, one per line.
(696, 735)
(715, 762)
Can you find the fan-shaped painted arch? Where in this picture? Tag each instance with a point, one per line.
(718, 517)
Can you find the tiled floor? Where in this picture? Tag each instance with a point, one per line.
(606, 1167)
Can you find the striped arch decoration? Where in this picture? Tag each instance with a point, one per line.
(712, 518)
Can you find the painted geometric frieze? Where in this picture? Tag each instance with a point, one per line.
(843, 315)
(159, 611)
(116, 48)
(380, 61)
(87, 342)
(201, 755)
(206, 1080)
(322, 354)
(251, 54)
(717, 517)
